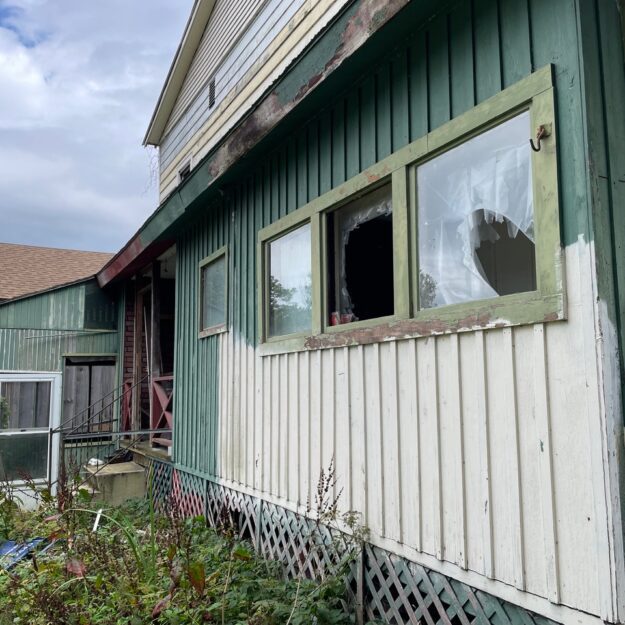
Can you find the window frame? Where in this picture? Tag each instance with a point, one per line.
(54, 437)
(186, 162)
(535, 94)
(205, 262)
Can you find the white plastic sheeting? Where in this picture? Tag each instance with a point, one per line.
(485, 179)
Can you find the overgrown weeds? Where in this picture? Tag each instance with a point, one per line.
(135, 567)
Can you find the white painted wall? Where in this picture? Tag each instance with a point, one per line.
(479, 454)
(273, 34)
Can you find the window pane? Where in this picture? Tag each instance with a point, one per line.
(214, 293)
(476, 218)
(360, 259)
(290, 283)
(24, 405)
(23, 455)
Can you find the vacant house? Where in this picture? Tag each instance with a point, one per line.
(390, 236)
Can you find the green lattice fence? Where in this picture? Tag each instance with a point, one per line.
(397, 591)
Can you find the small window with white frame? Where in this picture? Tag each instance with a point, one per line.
(28, 409)
(214, 293)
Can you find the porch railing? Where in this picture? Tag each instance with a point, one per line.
(162, 417)
(161, 409)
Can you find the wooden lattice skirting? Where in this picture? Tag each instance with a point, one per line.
(381, 587)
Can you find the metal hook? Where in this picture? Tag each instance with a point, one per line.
(541, 132)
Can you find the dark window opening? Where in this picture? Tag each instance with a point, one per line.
(507, 257)
(185, 172)
(360, 259)
(211, 94)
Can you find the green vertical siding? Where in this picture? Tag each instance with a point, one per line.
(197, 365)
(43, 350)
(36, 331)
(61, 309)
(73, 307)
(604, 99)
(418, 82)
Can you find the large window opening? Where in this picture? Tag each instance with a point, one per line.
(476, 218)
(360, 259)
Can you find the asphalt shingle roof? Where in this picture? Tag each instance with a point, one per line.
(26, 269)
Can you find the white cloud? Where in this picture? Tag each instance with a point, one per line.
(78, 82)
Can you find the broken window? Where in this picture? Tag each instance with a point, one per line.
(360, 259)
(214, 292)
(290, 283)
(476, 218)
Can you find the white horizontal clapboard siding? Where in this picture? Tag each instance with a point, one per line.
(197, 129)
(224, 62)
(473, 449)
(227, 22)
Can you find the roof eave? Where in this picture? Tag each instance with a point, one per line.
(49, 289)
(196, 24)
(356, 25)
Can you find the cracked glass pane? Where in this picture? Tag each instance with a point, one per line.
(476, 218)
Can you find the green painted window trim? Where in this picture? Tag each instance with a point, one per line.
(222, 327)
(534, 93)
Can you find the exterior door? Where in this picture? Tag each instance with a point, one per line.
(29, 411)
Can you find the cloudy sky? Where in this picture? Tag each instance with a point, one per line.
(78, 82)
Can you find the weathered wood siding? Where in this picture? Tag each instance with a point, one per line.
(274, 39)
(73, 307)
(478, 453)
(37, 331)
(242, 49)
(43, 350)
(228, 21)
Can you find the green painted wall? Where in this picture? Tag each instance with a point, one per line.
(73, 307)
(36, 332)
(43, 350)
(409, 79)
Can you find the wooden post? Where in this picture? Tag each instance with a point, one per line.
(360, 585)
(135, 418)
(156, 359)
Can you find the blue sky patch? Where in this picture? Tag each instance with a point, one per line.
(8, 21)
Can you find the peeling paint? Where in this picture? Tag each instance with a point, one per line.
(346, 35)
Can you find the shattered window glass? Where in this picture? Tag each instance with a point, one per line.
(476, 218)
(360, 259)
(290, 283)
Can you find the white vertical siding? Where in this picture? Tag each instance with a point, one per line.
(473, 448)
